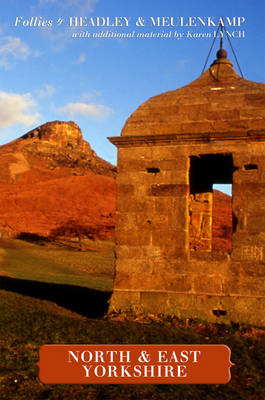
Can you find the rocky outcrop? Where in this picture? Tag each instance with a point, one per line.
(58, 133)
(61, 144)
(51, 181)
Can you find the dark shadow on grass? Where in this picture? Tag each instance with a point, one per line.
(33, 238)
(88, 302)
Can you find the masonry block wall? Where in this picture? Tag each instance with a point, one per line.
(152, 204)
(165, 260)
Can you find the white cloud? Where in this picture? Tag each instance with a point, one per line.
(81, 59)
(17, 109)
(12, 48)
(46, 91)
(97, 111)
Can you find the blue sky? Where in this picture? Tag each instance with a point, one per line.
(46, 74)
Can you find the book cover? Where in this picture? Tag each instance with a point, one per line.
(175, 90)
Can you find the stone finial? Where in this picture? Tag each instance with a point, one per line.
(221, 53)
(221, 58)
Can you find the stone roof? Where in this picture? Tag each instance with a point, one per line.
(218, 101)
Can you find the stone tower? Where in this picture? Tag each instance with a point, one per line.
(172, 150)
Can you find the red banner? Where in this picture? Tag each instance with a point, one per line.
(105, 364)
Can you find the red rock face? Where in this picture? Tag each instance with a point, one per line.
(52, 183)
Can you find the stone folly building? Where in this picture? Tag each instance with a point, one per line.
(172, 150)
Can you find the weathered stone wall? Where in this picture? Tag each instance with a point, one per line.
(155, 270)
(152, 190)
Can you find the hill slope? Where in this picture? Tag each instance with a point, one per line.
(51, 179)
(222, 221)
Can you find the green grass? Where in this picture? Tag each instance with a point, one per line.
(92, 268)
(26, 323)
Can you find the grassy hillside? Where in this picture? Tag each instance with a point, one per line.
(62, 263)
(32, 275)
